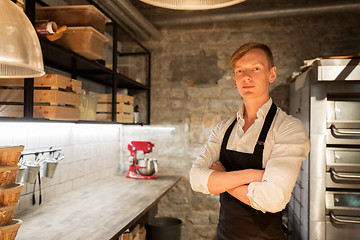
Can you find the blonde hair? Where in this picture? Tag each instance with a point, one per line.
(245, 48)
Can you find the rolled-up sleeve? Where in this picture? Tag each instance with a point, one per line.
(200, 171)
(291, 147)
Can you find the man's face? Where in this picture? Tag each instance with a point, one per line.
(252, 75)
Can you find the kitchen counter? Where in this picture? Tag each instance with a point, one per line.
(101, 210)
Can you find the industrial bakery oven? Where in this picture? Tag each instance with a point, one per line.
(326, 200)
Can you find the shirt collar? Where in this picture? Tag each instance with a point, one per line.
(263, 110)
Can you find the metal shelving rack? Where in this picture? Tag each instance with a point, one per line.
(78, 66)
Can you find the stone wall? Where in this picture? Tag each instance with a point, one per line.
(192, 89)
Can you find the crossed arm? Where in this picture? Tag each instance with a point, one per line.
(268, 190)
(235, 182)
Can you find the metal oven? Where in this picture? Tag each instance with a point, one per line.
(342, 180)
(327, 99)
(342, 215)
(343, 168)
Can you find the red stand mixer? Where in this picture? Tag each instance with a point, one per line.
(141, 167)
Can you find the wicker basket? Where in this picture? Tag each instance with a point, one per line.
(9, 156)
(8, 175)
(9, 231)
(10, 194)
(7, 213)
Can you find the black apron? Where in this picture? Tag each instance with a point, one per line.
(238, 220)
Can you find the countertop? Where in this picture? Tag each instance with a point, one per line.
(101, 210)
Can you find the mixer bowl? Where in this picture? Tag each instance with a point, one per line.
(149, 164)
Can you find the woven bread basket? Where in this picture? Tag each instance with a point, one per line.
(7, 213)
(9, 231)
(9, 156)
(8, 174)
(10, 194)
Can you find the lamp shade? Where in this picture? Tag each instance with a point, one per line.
(20, 50)
(192, 4)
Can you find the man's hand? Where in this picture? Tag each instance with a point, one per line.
(241, 192)
(217, 166)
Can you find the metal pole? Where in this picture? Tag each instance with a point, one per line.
(29, 82)
(149, 89)
(114, 77)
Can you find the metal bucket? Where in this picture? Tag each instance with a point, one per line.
(20, 174)
(31, 173)
(50, 169)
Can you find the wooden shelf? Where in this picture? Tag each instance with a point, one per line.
(66, 60)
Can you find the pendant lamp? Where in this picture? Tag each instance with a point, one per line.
(192, 4)
(20, 50)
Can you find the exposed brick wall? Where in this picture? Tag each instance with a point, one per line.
(192, 89)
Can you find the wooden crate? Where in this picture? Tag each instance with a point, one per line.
(120, 98)
(52, 97)
(16, 111)
(57, 113)
(12, 82)
(120, 107)
(124, 108)
(120, 117)
(55, 97)
(58, 82)
(12, 97)
(51, 81)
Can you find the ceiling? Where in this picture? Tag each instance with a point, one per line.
(248, 10)
(159, 15)
(144, 21)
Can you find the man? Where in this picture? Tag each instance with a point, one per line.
(252, 159)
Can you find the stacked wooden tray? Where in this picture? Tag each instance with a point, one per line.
(124, 108)
(55, 97)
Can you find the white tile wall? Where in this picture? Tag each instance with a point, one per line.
(92, 152)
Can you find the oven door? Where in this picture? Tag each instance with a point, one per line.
(343, 168)
(343, 122)
(342, 215)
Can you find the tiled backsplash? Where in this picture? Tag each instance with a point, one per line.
(92, 152)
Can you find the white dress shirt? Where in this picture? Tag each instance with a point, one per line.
(286, 146)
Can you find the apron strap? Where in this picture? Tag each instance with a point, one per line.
(267, 123)
(227, 134)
